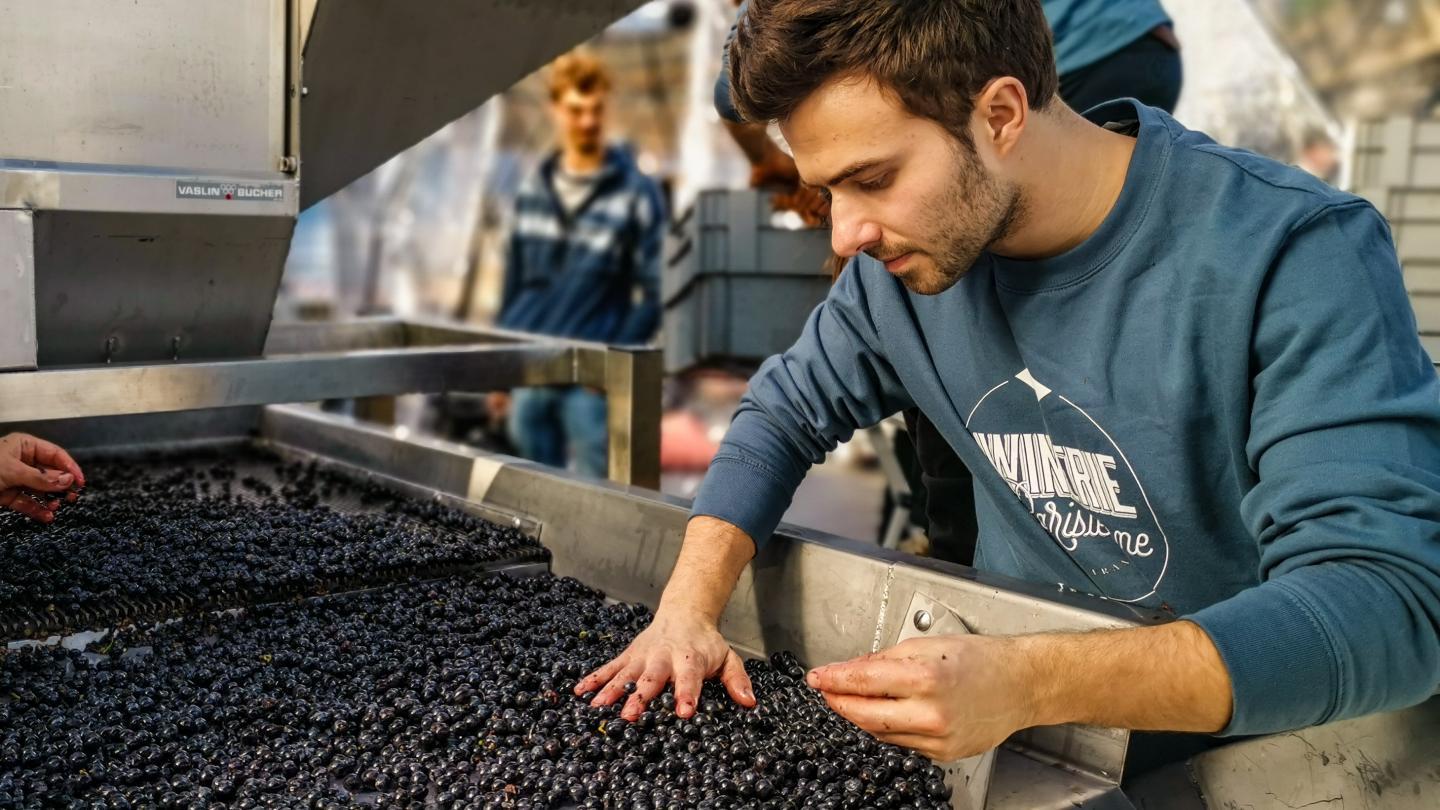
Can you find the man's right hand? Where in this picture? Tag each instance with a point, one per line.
(679, 647)
(683, 644)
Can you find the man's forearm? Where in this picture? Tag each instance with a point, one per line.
(1165, 678)
(711, 559)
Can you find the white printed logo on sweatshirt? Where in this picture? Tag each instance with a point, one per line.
(1076, 482)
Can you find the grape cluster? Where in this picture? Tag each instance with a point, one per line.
(448, 694)
(211, 530)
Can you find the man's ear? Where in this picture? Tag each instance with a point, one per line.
(1002, 109)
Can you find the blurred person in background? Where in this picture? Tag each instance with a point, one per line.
(1104, 50)
(583, 263)
(1319, 155)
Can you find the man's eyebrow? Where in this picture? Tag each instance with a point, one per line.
(852, 170)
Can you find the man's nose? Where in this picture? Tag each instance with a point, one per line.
(851, 232)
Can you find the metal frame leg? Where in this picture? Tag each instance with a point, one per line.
(632, 399)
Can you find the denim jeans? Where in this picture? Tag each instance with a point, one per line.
(551, 425)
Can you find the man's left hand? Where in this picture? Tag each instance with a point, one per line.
(947, 697)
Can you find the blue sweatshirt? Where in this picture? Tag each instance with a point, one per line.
(1217, 405)
(1086, 31)
(591, 276)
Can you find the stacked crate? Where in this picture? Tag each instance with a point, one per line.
(737, 287)
(1396, 165)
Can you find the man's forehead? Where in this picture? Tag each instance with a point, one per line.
(844, 122)
(576, 99)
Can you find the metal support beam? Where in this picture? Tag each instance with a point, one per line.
(116, 390)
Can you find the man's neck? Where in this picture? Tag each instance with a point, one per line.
(1073, 174)
(575, 161)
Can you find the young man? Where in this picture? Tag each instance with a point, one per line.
(1104, 49)
(583, 263)
(1184, 377)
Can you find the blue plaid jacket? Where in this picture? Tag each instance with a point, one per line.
(596, 275)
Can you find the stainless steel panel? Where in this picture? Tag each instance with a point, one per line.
(116, 390)
(381, 75)
(1389, 760)
(137, 287)
(147, 429)
(1021, 783)
(89, 187)
(359, 334)
(388, 333)
(193, 83)
(17, 291)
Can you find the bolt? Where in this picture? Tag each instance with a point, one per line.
(923, 620)
(288, 164)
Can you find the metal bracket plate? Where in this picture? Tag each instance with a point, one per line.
(969, 778)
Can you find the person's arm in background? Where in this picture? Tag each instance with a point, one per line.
(770, 166)
(1345, 445)
(31, 469)
(800, 405)
(644, 262)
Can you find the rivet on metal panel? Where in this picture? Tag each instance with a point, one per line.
(923, 620)
(288, 164)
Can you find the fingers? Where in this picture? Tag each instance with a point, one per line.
(689, 676)
(18, 501)
(737, 681)
(873, 676)
(594, 680)
(887, 715)
(650, 684)
(54, 456)
(17, 473)
(615, 689)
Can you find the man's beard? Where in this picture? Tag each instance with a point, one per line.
(976, 211)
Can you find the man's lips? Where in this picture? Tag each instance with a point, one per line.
(894, 265)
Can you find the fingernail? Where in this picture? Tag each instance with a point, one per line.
(812, 677)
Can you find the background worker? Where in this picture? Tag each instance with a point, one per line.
(583, 263)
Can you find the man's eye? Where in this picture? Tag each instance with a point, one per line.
(875, 184)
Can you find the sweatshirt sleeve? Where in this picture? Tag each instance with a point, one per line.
(799, 406)
(1345, 443)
